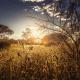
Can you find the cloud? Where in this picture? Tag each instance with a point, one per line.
(33, 0)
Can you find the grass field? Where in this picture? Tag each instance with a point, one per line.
(37, 62)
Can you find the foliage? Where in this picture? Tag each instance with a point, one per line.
(5, 30)
(4, 40)
(65, 15)
(4, 44)
(27, 33)
(54, 39)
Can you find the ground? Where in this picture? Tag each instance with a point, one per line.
(35, 62)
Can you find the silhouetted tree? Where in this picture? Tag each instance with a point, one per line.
(26, 34)
(54, 39)
(64, 14)
(5, 30)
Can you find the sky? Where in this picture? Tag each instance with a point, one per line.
(13, 13)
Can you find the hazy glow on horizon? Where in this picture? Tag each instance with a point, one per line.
(19, 26)
(36, 33)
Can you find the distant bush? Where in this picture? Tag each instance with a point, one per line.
(54, 39)
(4, 44)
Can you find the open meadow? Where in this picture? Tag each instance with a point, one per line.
(37, 62)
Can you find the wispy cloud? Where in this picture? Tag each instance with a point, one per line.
(33, 0)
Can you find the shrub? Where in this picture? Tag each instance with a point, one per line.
(4, 44)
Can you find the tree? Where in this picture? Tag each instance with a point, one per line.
(54, 39)
(27, 33)
(64, 14)
(5, 30)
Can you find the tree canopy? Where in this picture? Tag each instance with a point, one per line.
(63, 13)
(5, 30)
(27, 33)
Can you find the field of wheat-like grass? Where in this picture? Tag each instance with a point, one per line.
(37, 62)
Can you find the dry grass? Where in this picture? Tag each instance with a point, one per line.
(37, 62)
